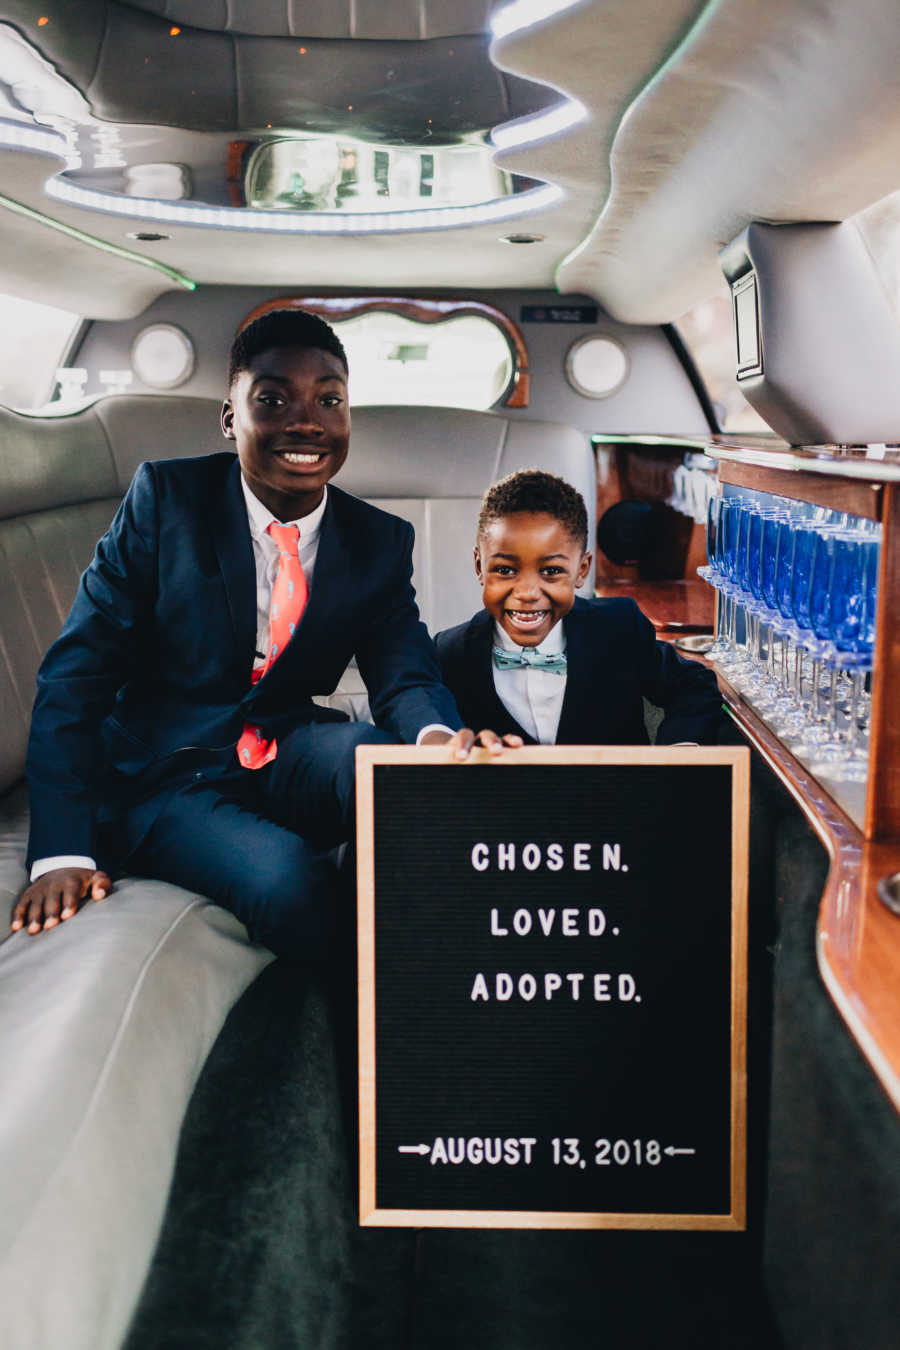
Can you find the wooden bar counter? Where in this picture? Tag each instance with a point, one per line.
(858, 937)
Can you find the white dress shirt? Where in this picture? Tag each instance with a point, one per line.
(265, 556)
(534, 697)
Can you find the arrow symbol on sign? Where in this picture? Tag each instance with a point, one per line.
(414, 1148)
(670, 1151)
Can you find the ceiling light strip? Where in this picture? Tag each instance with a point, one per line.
(528, 130)
(124, 253)
(29, 138)
(298, 222)
(525, 13)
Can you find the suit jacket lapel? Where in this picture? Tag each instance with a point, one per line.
(581, 693)
(332, 564)
(234, 550)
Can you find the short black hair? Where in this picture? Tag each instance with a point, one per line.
(283, 328)
(534, 490)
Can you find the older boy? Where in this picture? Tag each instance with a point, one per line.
(546, 665)
(174, 730)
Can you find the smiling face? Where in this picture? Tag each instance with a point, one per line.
(529, 567)
(288, 414)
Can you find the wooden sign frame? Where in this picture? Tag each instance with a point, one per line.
(368, 757)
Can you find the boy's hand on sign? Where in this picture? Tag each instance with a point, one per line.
(56, 896)
(462, 742)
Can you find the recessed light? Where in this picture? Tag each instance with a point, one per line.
(522, 238)
(147, 236)
(162, 356)
(597, 367)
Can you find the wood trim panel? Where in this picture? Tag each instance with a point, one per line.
(839, 494)
(518, 392)
(883, 798)
(857, 937)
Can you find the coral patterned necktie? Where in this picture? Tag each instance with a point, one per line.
(289, 595)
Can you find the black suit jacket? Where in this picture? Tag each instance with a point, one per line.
(152, 670)
(614, 661)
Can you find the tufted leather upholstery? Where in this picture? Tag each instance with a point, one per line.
(246, 69)
(403, 19)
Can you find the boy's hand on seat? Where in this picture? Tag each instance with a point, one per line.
(56, 896)
(462, 742)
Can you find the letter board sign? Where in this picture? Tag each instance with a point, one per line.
(552, 966)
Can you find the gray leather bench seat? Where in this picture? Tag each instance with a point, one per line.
(107, 1020)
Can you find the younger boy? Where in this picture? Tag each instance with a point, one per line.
(175, 732)
(542, 663)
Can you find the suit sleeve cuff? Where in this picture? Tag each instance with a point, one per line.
(433, 726)
(42, 865)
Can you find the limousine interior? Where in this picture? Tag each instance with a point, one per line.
(537, 226)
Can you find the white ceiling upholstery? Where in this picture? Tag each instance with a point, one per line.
(40, 263)
(779, 110)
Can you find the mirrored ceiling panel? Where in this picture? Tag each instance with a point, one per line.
(402, 142)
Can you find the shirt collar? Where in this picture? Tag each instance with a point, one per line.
(261, 517)
(553, 644)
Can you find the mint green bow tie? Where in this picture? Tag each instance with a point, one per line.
(527, 656)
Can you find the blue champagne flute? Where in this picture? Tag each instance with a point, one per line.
(852, 635)
(713, 572)
(819, 644)
(743, 593)
(795, 607)
(783, 622)
(757, 685)
(772, 521)
(729, 523)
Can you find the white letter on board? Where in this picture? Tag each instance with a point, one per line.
(612, 857)
(554, 857)
(627, 988)
(531, 857)
(601, 989)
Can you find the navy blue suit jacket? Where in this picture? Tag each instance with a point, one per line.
(614, 660)
(152, 671)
